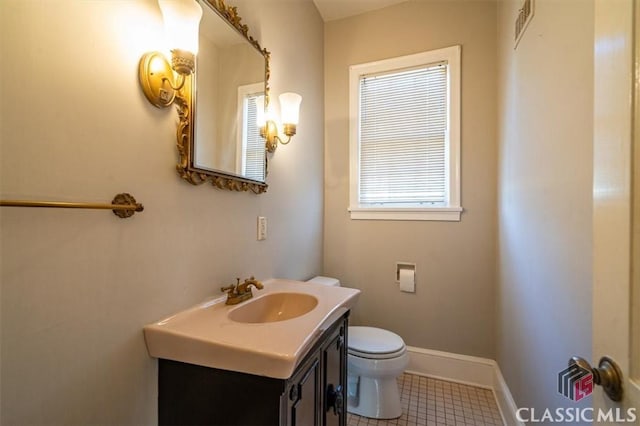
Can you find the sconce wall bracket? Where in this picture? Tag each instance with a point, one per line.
(270, 133)
(156, 76)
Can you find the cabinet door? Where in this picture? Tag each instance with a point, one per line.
(304, 395)
(335, 392)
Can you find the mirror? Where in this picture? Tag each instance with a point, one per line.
(218, 138)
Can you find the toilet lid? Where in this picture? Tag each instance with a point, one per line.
(371, 342)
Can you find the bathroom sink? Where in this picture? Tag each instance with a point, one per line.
(274, 307)
(265, 336)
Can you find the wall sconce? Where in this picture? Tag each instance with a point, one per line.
(181, 23)
(290, 113)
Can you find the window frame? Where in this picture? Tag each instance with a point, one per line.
(452, 209)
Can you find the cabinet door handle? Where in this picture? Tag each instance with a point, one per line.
(335, 399)
(293, 393)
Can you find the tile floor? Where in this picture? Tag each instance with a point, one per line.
(427, 401)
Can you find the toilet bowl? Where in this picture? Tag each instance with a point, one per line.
(376, 357)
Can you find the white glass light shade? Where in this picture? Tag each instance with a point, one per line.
(290, 107)
(181, 24)
(261, 118)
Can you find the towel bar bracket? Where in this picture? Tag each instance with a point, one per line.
(123, 205)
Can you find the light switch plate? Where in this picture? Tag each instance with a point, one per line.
(262, 228)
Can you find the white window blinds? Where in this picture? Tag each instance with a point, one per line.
(253, 144)
(403, 137)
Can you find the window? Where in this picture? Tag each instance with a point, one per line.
(405, 137)
(251, 156)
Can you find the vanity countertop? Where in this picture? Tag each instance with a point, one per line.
(204, 335)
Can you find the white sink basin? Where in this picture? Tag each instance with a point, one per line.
(274, 307)
(266, 336)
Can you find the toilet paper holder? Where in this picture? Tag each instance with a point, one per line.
(404, 265)
(406, 276)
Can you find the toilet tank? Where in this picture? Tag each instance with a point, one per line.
(332, 282)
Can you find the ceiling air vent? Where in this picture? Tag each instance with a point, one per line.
(525, 14)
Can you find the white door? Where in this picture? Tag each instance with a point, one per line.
(616, 238)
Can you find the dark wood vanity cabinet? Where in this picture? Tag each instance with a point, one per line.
(315, 395)
(334, 358)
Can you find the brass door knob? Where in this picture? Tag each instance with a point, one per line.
(607, 374)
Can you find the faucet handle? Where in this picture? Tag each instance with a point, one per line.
(231, 288)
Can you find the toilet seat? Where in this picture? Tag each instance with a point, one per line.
(375, 343)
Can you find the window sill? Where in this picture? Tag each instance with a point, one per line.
(444, 214)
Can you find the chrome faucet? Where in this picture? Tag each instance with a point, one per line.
(237, 292)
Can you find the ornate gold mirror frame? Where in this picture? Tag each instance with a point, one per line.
(185, 101)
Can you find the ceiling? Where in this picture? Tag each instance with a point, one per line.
(338, 9)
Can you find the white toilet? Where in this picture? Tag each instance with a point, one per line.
(376, 358)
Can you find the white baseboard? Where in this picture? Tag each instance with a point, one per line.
(505, 400)
(470, 370)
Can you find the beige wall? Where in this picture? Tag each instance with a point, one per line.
(545, 204)
(453, 308)
(78, 286)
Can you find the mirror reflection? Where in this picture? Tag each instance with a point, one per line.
(230, 76)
